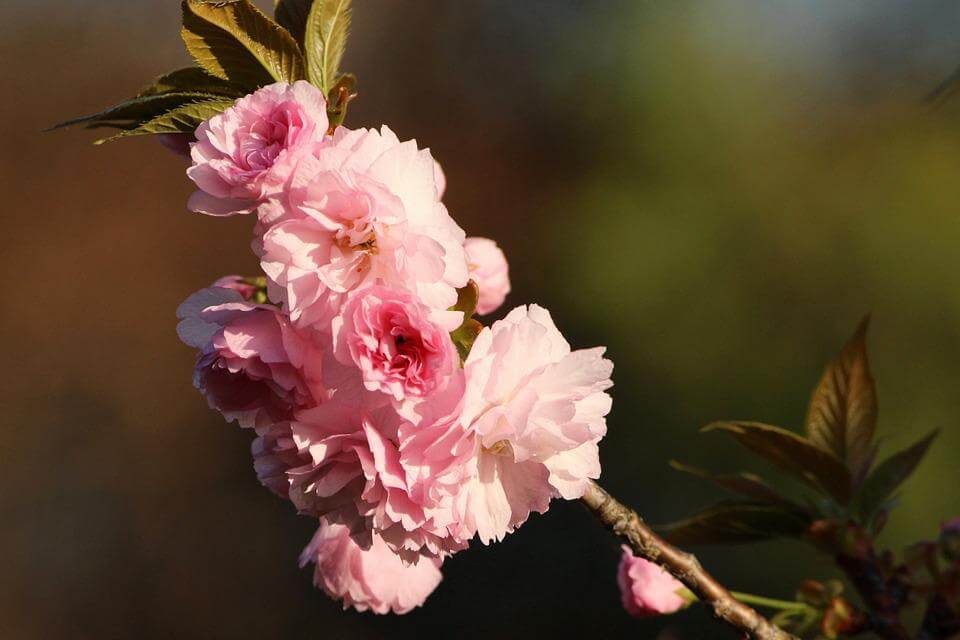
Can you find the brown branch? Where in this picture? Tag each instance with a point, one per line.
(685, 567)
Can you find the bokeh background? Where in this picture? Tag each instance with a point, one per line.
(718, 191)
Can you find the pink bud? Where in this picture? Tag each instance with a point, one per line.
(646, 589)
(488, 268)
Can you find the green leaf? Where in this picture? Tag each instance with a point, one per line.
(467, 300)
(464, 337)
(183, 119)
(746, 484)
(190, 79)
(292, 16)
(792, 453)
(737, 522)
(842, 416)
(325, 39)
(890, 474)
(137, 110)
(238, 43)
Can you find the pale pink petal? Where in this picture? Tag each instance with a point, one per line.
(372, 578)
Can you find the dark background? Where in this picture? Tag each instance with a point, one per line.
(718, 191)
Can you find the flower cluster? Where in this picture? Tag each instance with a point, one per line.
(367, 415)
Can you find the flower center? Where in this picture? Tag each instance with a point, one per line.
(358, 235)
(499, 448)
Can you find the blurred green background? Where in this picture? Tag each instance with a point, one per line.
(718, 191)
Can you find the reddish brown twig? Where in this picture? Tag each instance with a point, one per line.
(645, 543)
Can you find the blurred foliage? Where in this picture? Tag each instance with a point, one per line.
(745, 211)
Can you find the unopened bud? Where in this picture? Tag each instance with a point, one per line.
(813, 593)
(823, 534)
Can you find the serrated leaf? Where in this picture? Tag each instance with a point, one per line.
(292, 16)
(890, 474)
(325, 38)
(183, 119)
(238, 43)
(113, 124)
(792, 453)
(190, 79)
(842, 416)
(136, 111)
(736, 522)
(745, 484)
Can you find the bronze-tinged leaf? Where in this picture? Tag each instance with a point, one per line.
(745, 484)
(887, 477)
(238, 43)
(190, 79)
(842, 416)
(736, 522)
(183, 119)
(136, 111)
(792, 453)
(344, 91)
(467, 297)
(325, 40)
(292, 16)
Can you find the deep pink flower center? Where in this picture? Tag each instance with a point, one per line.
(268, 137)
(402, 354)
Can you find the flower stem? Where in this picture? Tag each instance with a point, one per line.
(749, 598)
(769, 603)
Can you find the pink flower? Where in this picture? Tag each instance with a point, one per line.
(253, 366)
(398, 346)
(365, 211)
(537, 411)
(355, 477)
(374, 578)
(519, 427)
(274, 455)
(246, 154)
(645, 589)
(488, 268)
